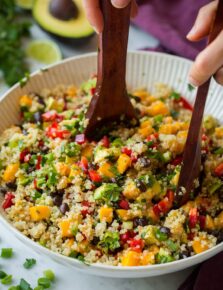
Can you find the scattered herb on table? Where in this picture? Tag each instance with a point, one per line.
(6, 253)
(29, 263)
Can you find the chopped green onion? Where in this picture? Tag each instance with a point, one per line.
(161, 236)
(7, 280)
(173, 246)
(14, 288)
(38, 288)
(29, 263)
(218, 151)
(6, 253)
(44, 282)
(49, 274)
(24, 285)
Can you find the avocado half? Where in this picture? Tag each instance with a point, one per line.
(75, 28)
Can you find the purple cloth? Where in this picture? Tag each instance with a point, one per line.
(170, 21)
(208, 276)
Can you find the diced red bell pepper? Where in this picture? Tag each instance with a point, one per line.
(94, 175)
(219, 170)
(124, 238)
(86, 204)
(193, 217)
(105, 142)
(53, 132)
(8, 201)
(124, 204)
(202, 219)
(134, 158)
(127, 151)
(190, 236)
(23, 154)
(80, 139)
(49, 116)
(35, 184)
(177, 161)
(84, 164)
(39, 160)
(165, 204)
(136, 245)
(92, 91)
(184, 103)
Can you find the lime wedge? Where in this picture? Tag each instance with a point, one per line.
(44, 51)
(25, 4)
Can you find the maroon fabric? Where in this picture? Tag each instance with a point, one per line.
(208, 276)
(170, 21)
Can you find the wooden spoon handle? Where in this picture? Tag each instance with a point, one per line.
(113, 43)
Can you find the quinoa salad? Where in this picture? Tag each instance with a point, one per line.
(111, 201)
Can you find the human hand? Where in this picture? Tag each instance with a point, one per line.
(210, 60)
(94, 14)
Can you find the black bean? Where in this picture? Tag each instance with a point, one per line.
(141, 185)
(37, 117)
(92, 166)
(31, 169)
(11, 185)
(44, 149)
(140, 222)
(165, 231)
(57, 200)
(220, 195)
(184, 254)
(95, 241)
(24, 132)
(220, 237)
(40, 100)
(3, 190)
(57, 192)
(64, 208)
(144, 162)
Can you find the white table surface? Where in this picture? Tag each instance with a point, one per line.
(70, 279)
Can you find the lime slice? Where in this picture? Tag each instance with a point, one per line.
(25, 4)
(44, 51)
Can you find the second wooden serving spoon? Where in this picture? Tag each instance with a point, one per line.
(111, 101)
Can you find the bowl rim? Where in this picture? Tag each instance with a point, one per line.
(19, 235)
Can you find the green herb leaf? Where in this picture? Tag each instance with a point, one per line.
(7, 280)
(24, 285)
(29, 263)
(44, 282)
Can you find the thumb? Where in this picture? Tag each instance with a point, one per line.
(120, 3)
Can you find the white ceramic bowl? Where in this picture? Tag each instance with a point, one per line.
(143, 70)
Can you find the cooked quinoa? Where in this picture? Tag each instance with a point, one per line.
(110, 201)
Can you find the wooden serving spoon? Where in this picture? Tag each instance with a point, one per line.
(191, 166)
(111, 101)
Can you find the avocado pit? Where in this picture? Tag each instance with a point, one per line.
(63, 9)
